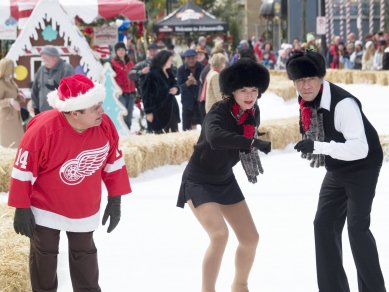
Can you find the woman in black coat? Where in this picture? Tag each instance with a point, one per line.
(158, 95)
(228, 134)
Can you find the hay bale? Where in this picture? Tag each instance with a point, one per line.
(7, 157)
(283, 88)
(384, 139)
(338, 76)
(382, 77)
(281, 132)
(364, 77)
(14, 251)
(150, 151)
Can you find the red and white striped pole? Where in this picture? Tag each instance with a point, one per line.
(360, 19)
(341, 21)
(371, 17)
(327, 13)
(348, 29)
(382, 15)
(331, 5)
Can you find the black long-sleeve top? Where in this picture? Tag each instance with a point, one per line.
(221, 138)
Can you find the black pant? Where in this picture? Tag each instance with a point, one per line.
(347, 194)
(191, 117)
(84, 271)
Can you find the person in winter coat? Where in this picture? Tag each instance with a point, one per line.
(11, 129)
(159, 90)
(336, 134)
(47, 78)
(368, 56)
(188, 76)
(122, 65)
(209, 187)
(139, 71)
(56, 182)
(211, 86)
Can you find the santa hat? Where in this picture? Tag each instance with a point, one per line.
(244, 73)
(306, 64)
(76, 92)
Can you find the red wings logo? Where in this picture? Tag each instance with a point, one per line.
(86, 163)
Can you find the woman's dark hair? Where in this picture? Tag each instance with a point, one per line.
(160, 59)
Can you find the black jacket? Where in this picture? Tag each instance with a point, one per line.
(157, 99)
(189, 94)
(217, 149)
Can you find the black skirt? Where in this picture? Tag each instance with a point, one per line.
(204, 188)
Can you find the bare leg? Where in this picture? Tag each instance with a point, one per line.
(212, 220)
(239, 218)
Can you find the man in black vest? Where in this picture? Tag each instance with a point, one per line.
(337, 134)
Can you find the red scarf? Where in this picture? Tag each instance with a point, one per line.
(245, 119)
(306, 115)
(306, 110)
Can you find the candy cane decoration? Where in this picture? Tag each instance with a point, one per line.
(331, 18)
(371, 17)
(382, 15)
(327, 13)
(348, 29)
(341, 21)
(361, 18)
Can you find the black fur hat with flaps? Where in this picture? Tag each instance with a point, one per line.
(306, 64)
(244, 73)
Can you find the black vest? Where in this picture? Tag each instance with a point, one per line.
(374, 157)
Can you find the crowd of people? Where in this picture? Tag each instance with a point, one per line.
(192, 73)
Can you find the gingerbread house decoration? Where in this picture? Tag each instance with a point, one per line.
(50, 25)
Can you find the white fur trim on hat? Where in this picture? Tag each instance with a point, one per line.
(92, 97)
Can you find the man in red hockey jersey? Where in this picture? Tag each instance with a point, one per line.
(56, 182)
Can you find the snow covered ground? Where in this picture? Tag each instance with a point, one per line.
(158, 247)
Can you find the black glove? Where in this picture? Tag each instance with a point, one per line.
(24, 222)
(305, 146)
(264, 146)
(112, 210)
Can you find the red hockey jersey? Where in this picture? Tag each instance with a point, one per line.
(58, 172)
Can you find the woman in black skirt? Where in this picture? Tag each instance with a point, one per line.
(229, 134)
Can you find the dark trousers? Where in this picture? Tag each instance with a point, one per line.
(128, 100)
(190, 117)
(84, 271)
(347, 195)
(171, 127)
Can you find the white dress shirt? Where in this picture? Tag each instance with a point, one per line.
(348, 121)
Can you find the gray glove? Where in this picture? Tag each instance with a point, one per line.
(251, 164)
(112, 210)
(24, 222)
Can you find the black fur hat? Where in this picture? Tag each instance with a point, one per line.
(244, 73)
(120, 45)
(306, 64)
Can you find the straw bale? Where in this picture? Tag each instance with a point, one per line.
(151, 150)
(278, 74)
(338, 76)
(281, 132)
(384, 139)
(364, 77)
(14, 251)
(7, 156)
(133, 160)
(383, 77)
(283, 88)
